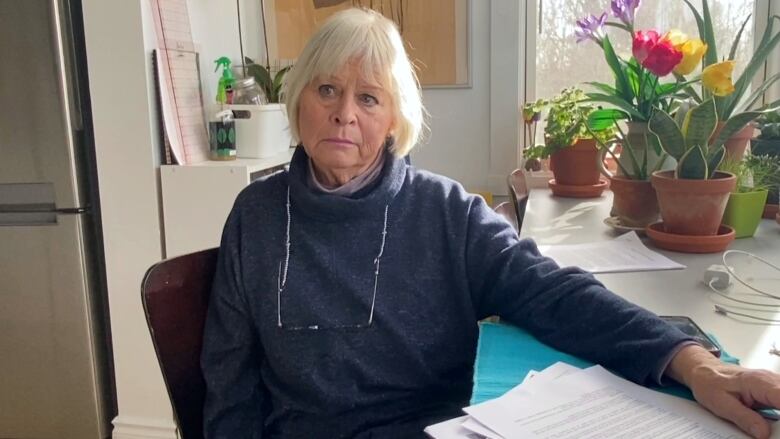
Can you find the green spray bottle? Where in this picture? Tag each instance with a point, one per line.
(225, 85)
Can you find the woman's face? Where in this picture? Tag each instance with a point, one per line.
(344, 120)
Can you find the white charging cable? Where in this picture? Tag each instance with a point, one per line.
(732, 273)
(715, 277)
(724, 295)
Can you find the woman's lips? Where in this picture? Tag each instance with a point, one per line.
(339, 141)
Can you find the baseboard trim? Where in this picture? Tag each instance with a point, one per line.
(131, 427)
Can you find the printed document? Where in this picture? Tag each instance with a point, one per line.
(622, 254)
(564, 402)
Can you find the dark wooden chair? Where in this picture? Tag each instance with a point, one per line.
(175, 295)
(518, 195)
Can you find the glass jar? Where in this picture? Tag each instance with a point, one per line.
(246, 91)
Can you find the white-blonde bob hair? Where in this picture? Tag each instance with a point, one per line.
(371, 39)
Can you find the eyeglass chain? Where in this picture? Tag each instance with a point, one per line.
(287, 262)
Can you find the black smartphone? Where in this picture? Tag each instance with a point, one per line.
(689, 327)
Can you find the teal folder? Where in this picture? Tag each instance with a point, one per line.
(505, 354)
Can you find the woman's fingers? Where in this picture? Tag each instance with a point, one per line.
(729, 407)
(763, 387)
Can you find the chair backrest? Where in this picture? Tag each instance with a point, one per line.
(505, 210)
(518, 194)
(175, 295)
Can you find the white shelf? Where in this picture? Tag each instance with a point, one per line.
(251, 165)
(197, 199)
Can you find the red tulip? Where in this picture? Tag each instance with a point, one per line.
(663, 58)
(643, 43)
(654, 53)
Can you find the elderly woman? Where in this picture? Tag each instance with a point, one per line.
(349, 287)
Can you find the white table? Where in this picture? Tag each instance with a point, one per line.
(556, 220)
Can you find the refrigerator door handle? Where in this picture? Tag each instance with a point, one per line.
(27, 204)
(72, 210)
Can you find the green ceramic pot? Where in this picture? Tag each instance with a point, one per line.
(743, 212)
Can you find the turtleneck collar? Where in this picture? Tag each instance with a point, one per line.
(351, 187)
(370, 199)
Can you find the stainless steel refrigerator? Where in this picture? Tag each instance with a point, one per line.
(55, 363)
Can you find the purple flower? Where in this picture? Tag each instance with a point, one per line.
(624, 10)
(591, 27)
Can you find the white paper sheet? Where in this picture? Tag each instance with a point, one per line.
(451, 429)
(481, 430)
(594, 403)
(622, 254)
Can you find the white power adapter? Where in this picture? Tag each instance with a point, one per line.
(717, 276)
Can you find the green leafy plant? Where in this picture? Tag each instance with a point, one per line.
(729, 104)
(769, 124)
(271, 85)
(532, 113)
(688, 142)
(754, 172)
(566, 123)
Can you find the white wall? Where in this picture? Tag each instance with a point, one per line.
(127, 148)
(474, 132)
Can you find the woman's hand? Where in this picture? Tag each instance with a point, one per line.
(727, 390)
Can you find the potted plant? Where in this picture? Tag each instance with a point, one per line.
(735, 109)
(768, 143)
(755, 174)
(634, 202)
(262, 130)
(693, 196)
(571, 146)
(637, 90)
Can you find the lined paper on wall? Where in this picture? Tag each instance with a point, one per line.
(179, 82)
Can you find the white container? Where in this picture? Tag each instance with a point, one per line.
(262, 131)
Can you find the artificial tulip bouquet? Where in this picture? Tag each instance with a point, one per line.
(638, 91)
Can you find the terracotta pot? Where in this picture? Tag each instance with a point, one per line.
(692, 207)
(576, 164)
(634, 202)
(736, 144)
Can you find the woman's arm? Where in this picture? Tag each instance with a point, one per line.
(231, 354)
(565, 308)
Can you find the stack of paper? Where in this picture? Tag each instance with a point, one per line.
(565, 402)
(624, 253)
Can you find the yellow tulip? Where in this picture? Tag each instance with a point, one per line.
(693, 51)
(675, 37)
(717, 78)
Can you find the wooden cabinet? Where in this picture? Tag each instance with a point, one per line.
(198, 197)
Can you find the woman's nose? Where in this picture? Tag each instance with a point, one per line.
(345, 111)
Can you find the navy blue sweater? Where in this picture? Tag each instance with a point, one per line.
(448, 261)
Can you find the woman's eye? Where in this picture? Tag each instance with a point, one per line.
(327, 90)
(368, 99)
